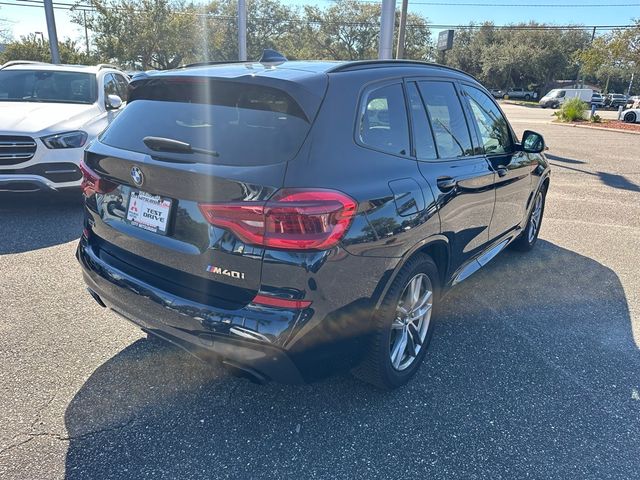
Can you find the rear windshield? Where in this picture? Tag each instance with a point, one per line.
(47, 86)
(244, 124)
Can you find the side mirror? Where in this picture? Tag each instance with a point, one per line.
(113, 102)
(532, 142)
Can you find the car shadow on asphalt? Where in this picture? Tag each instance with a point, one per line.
(557, 158)
(33, 221)
(532, 372)
(612, 180)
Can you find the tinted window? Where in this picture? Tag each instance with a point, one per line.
(47, 86)
(422, 134)
(245, 124)
(447, 119)
(494, 131)
(383, 124)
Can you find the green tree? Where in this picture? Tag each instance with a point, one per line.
(270, 24)
(611, 59)
(147, 34)
(349, 30)
(523, 56)
(31, 47)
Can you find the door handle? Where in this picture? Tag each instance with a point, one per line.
(502, 170)
(446, 183)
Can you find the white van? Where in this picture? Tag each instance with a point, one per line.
(558, 96)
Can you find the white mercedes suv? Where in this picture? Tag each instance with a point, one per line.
(48, 114)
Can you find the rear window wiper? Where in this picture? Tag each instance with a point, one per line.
(161, 144)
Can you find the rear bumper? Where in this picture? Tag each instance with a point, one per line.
(207, 332)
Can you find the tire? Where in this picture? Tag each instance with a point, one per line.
(527, 97)
(528, 238)
(380, 366)
(630, 117)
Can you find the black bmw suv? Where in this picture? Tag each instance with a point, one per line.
(291, 218)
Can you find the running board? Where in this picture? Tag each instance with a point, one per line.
(477, 263)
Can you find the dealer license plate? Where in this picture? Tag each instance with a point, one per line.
(150, 212)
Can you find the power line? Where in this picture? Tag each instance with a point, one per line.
(40, 4)
(92, 9)
(518, 5)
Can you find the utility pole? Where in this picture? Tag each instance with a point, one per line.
(86, 32)
(242, 30)
(630, 84)
(579, 80)
(51, 29)
(387, 21)
(402, 29)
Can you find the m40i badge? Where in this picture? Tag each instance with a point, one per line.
(223, 271)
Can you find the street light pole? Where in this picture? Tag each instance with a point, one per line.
(51, 29)
(387, 20)
(242, 30)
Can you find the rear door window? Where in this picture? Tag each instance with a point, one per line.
(244, 124)
(448, 121)
(383, 120)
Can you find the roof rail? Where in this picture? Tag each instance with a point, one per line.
(106, 65)
(22, 62)
(215, 62)
(382, 63)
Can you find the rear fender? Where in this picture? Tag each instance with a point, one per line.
(420, 246)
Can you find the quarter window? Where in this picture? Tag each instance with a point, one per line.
(449, 125)
(492, 125)
(422, 134)
(383, 123)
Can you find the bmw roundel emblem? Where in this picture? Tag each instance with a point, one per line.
(137, 176)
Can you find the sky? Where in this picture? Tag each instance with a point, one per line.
(22, 19)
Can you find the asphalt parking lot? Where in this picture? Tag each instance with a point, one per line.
(533, 371)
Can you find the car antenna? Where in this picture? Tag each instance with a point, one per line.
(272, 57)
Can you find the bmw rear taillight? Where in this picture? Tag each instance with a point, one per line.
(93, 183)
(293, 219)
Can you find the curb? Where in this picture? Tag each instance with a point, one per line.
(604, 129)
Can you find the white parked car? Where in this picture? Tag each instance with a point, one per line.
(558, 96)
(631, 116)
(48, 114)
